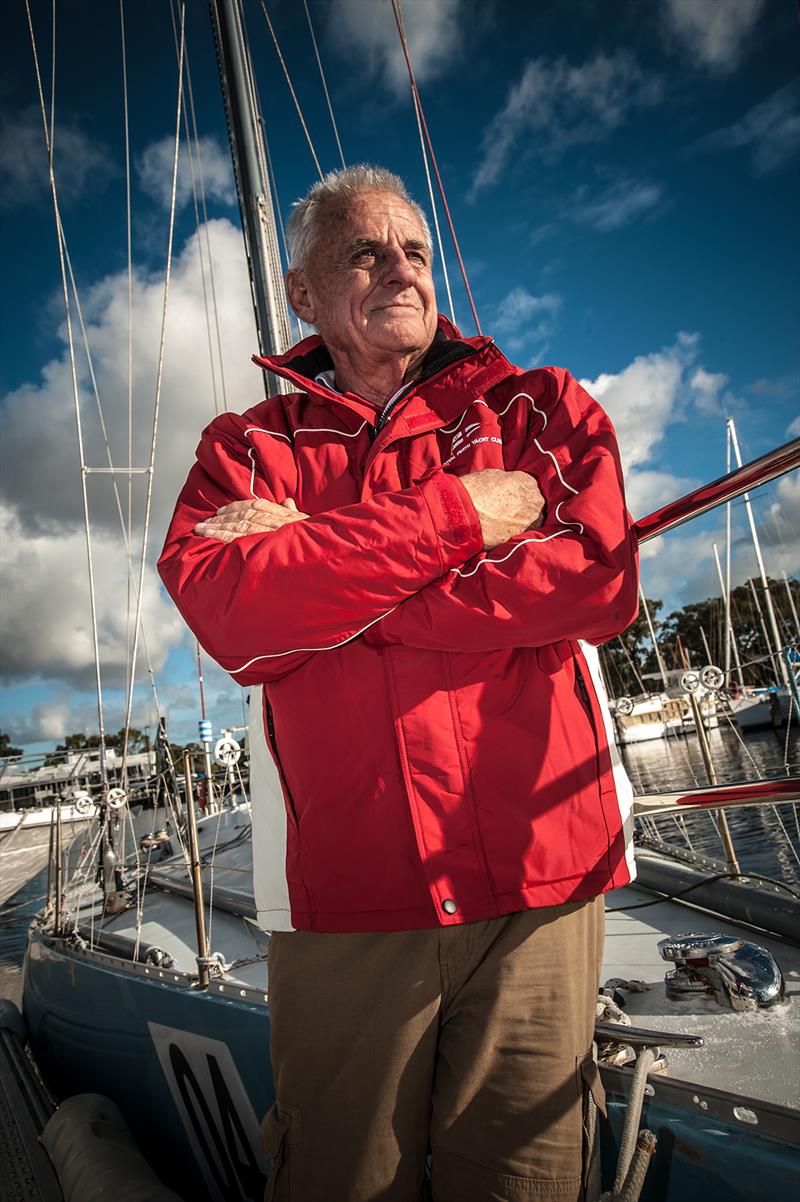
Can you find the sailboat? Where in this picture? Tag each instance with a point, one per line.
(152, 988)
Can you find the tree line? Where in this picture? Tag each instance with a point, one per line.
(628, 660)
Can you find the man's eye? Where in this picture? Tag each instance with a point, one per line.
(417, 255)
(364, 254)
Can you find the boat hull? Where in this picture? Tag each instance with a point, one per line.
(190, 1071)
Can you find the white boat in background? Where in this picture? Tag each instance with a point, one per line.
(639, 721)
(35, 796)
(760, 709)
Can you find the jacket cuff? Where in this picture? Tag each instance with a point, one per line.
(454, 519)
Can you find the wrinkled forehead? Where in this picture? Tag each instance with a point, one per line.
(368, 217)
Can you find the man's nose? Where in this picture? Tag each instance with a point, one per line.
(396, 267)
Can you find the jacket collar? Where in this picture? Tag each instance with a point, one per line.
(454, 371)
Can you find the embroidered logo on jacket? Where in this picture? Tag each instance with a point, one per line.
(466, 438)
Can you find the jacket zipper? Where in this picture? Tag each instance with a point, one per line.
(394, 401)
(583, 693)
(274, 745)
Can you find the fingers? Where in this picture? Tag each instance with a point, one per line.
(259, 505)
(256, 516)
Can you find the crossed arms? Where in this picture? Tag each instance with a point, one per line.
(432, 566)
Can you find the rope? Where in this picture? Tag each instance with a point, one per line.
(324, 83)
(636, 1147)
(159, 372)
(291, 89)
(415, 93)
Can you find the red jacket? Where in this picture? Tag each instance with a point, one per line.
(439, 730)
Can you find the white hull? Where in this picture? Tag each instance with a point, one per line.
(643, 732)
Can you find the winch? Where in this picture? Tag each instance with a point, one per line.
(735, 973)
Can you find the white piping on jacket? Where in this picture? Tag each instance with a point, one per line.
(299, 650)
(277, 434)
(568, 527)
(306, 430)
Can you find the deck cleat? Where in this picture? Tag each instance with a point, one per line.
(735, 973)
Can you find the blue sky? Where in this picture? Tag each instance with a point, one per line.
(623, 178)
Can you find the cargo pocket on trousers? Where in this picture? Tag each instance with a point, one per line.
(594, 1099)
(281, 1130)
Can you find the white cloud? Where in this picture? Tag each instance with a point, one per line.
(365, 31)
(645, 397)
(780, 519)
(556, 105)
(621, 202)
(714, 32)
(524, 320)
(680, 565)
(707, 387)
(209, 160)
(519, 306)
(46, 612)
(46, 628)
(647, 490)
(793, 429)
(80, 164)
(770, 130)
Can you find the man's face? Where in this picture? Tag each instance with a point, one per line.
(368, 286)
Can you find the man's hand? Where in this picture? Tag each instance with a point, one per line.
(506, 503)
(257, 516)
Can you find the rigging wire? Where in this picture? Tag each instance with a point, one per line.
(212, 280)
(75, 394)
(130, 343)
(324, 83)
(398, 16)
(193, 180)
(106, 443)
(67, 261)
(291, 89)
(160, 368)
(434, 212)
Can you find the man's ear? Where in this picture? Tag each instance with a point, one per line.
(299, 295)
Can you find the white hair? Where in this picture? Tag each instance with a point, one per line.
(304, 221)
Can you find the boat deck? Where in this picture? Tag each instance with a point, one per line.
(755, 1053)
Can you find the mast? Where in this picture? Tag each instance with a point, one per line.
(777, 641)
(792, 606)
(730, 637)
(661, 665)
(245, 130)
(726, 587)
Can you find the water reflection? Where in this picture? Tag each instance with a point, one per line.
(767, 839)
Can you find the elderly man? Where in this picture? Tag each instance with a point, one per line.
(405, 552)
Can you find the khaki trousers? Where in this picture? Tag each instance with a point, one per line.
(469, 1045)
